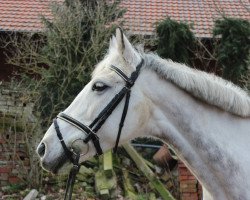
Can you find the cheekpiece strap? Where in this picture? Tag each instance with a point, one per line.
(135, 74)
(68, 153)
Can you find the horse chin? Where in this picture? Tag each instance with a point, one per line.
(58, 166)
(64, 169)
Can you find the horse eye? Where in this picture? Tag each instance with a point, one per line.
(99, 86)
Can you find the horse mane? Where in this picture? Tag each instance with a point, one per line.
(206, 87)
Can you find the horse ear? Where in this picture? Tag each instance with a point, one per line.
(120, 39)
(112, 44)
(116, 43)
(125, 48)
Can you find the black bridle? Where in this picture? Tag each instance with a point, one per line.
(91, 130)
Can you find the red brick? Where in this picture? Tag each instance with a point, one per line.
(191, 177)
(183, 177)
(194, 195)
(188, 190)
(185, 187)
(189, 196)
(5, 169)
(181, 164)
(184, 172)
(190, 182)
(13, 180)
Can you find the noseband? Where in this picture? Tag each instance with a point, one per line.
(91, 130)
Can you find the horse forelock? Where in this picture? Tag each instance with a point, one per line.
(206, 87)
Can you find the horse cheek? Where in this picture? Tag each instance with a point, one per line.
(144, 110)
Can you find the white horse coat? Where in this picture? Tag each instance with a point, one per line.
(202, 117)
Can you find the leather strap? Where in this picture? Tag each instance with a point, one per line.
(68, 153)
(124, 114)
(74, 122)
(71, 179)
(106, 112)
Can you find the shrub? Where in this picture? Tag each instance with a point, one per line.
(234, 48)
(175, 40)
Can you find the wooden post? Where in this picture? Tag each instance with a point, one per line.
(105, 178)
(108, 164)
(128, 188)
(139, 161)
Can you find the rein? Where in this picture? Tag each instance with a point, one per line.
(91, 130)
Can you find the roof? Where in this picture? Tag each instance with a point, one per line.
(142, 15)
(140, 18)
(24, 15)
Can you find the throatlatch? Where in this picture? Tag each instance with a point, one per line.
(91, 130)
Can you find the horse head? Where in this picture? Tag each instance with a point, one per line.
(89, 126)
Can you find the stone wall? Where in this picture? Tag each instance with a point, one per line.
(190, 189)
(15, 120)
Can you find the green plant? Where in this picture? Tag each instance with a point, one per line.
(14, 188)
(234, 48)
(175, 40)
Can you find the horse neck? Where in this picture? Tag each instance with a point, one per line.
(195, 130)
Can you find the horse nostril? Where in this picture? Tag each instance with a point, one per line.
(41, 150)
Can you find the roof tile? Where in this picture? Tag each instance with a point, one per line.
(140, 18)
(24, 15)
(201, 13)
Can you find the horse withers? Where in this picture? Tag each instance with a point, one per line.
(204, 118)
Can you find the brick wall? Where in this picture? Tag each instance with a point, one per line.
(190, 189)
(15, 120)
